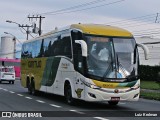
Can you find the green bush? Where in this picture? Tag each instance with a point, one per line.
(149, 73)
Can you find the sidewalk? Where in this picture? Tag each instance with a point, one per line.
(148, 90)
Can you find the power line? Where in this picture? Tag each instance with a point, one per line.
(87, 8)
(131, 23)
(74, 7)
(10, 53)
(143, 32)
(135, 25)
(134, 18)
(146, 30)
(147, 33)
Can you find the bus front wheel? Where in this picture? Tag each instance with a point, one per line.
(68, 94)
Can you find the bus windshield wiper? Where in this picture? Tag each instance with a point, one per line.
(120, 65)
(107, 71)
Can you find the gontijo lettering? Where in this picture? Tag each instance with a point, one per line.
(34, 64)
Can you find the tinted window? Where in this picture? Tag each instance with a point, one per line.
(63, 47)
(51, 46)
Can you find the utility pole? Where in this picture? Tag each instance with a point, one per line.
(27, 31)
(156, 18)
(40, 22)
(22, 26)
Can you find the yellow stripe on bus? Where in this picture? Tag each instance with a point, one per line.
(105, 84)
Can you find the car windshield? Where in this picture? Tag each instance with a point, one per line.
(7, 70)
(111, 57)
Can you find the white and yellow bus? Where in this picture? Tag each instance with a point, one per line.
(89, 62)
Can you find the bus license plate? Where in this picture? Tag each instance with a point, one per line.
(115, 98)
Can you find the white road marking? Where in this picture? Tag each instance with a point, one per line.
(100, 118)
(19, 94)
(11, 92)
(40, 101)
(5, 89)
(77, 111)
(28, 97)
(55, 105)
(1, 88)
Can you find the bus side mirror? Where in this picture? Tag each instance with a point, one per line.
(83, 47)
(146, 50)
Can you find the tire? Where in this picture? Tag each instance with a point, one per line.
(12, 82)
(68, 94)
(33, 90)
(0, 81)
(28, 85)
(9, 82)
(113, 102)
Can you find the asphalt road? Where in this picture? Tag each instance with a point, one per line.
(16, 99)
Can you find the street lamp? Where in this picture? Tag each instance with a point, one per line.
(27, 31)
(12, 22)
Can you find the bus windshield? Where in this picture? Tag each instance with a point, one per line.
(111, 57)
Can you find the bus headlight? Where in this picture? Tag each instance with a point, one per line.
(90, 85)
(135, 87)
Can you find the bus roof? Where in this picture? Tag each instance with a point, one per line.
(105, 30)
(95, 29)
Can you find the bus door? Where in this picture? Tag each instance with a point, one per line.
(79, 64)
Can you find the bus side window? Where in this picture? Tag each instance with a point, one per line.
(67, 46)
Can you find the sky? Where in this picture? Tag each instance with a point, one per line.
(109, 12)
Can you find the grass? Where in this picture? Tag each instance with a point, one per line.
(150, 95)
(152, 85)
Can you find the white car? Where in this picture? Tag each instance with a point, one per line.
(7, 73)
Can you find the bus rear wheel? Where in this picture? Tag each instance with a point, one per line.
(29, 88)
(113, 102)
(28, 85)
(33, 90)
(68, 94)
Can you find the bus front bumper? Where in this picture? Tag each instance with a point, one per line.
(111, 94)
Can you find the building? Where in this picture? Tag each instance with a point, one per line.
(8, 47)
(8, 55)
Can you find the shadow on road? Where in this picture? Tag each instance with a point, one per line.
(83, 104)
